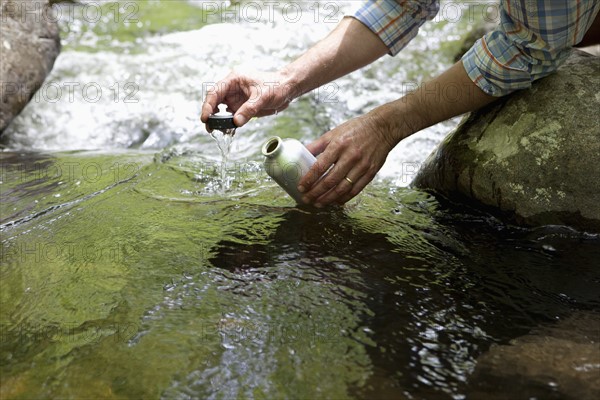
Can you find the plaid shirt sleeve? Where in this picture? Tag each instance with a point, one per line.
(396, 22)
(532, 40)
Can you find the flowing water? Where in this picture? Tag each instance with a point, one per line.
(132, 269)
(224, 140)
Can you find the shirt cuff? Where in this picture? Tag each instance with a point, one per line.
(396, 25)
(498, 67)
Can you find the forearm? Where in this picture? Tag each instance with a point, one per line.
(350, 46)
(450, 94)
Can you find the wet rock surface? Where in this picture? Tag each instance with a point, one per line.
(29, 44)
(534, 155)
(556, 362)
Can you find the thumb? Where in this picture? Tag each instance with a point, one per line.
(249, 109)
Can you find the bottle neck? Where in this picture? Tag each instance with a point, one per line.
(272, 147)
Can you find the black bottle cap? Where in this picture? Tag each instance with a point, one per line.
(221, 120)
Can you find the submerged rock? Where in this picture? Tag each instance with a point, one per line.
(555, 362)
(534, 155)
(29, 44)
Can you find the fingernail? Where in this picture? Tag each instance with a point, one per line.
(305, 199)
(301, 189)
(319, 205)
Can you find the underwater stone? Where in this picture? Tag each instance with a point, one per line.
(555, 361)
(534, 155)
(29, 44)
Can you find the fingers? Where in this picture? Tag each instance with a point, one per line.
(247, 96)
(250, 107)
(256, 105)
(354, 154)
(328, 183)
(234, 91)
(214, 97)
(318, 146)
(315, 172)
(342, 186)
(345, 190)
(341, 189)
(357, 187)
(334, 184)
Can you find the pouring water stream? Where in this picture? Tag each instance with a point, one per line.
(222, 131)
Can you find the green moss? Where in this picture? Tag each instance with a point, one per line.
(111, 25)
(121, 279)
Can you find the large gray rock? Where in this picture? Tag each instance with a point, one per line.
(534, 155)
(29, 44)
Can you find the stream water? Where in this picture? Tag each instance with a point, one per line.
(224, 139)
(132, 268)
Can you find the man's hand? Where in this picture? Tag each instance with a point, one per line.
(354, 151)
(358, 148)
(348, 47)
(250, 95)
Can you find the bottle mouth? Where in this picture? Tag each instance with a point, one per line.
(271, 146)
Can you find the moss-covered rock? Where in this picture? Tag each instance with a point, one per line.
(534, 155)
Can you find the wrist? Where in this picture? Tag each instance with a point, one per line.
(292, 82)
(396, 120)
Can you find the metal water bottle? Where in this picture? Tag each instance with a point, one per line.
(286, 161)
